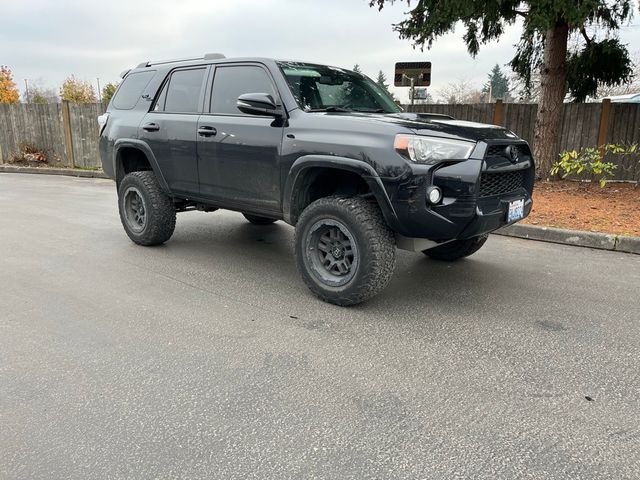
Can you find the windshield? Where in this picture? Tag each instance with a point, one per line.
(319, 88)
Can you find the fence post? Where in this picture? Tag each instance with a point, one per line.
(68, 137)
(603, 129)
(498, 112)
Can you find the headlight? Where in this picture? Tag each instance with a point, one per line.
(432, 150)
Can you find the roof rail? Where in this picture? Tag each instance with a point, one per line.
(214, 56)
(207, 56)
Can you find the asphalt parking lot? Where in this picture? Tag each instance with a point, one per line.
(208, 358)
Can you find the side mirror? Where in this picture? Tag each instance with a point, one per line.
(258, 104)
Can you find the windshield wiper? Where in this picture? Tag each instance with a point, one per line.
(330, 109)
(369, 110)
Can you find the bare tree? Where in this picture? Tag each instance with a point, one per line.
(519, 91)
(39, 93)
(459, 91)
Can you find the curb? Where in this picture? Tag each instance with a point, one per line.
(602, 241)
(71, 172)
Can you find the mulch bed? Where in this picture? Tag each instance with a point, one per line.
(613, 209)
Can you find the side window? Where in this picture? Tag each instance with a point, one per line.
(231, 82)
(132, 87)
(181, 92)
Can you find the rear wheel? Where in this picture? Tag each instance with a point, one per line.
(147, 213)
(457, 249)
(344, 250)
(257, 220)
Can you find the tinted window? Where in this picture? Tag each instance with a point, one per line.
(132, 87)
(182, 92)
(231, 82)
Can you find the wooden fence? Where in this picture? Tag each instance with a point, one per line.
(70, 131)
(583, 125)
(67, 132)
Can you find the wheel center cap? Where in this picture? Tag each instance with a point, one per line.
(337, 252)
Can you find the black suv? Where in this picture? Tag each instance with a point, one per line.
(322, 148)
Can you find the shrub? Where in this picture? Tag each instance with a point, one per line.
(589, 160)
(77, 91)
(108, 91)
(29, 153)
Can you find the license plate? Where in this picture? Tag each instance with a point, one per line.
(516, 210)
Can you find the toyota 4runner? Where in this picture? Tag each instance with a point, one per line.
(323, 149)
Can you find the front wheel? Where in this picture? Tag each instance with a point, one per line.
(344, 250)
(147, 213)
(457, 249)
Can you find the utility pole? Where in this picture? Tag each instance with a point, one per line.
(99, 91)
(413, 89)
(26, 91)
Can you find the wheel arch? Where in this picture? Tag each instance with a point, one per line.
(307, 169)
(131, 155)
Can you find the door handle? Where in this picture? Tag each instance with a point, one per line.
(206, 131)
(151, 127)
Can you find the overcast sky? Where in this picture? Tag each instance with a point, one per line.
(47, 40)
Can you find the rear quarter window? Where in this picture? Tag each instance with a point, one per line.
(132, 87)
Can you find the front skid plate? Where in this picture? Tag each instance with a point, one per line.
(415, 244)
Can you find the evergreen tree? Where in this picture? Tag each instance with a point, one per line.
(497, 85)
(357, 69)
(382, 80)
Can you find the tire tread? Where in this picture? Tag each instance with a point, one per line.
(379, 239)
(161, 214)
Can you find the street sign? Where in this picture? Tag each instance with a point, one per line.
(419, 72)
(420, 94)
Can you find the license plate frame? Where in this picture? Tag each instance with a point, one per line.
(515, 210)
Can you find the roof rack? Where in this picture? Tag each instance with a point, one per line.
(206, 56)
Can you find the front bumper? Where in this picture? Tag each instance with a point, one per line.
(477, 193)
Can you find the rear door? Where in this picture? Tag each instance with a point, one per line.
(238, 154)
(170, 128)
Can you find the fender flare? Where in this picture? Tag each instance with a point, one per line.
(144, 148)
(359, 167)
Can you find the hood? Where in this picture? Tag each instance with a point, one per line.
(435, 125)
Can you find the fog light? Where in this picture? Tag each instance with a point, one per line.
(434, 194)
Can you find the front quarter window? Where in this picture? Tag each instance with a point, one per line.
(323, 88)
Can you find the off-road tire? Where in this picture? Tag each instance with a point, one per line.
(258, 220)
(373, 242)
(457, 249)
(160, 212)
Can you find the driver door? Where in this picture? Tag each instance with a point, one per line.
(239, 154)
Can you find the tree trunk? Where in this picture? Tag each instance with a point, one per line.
(553, 89)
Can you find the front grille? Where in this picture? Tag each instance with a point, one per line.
(501, 151)
(499, 183)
